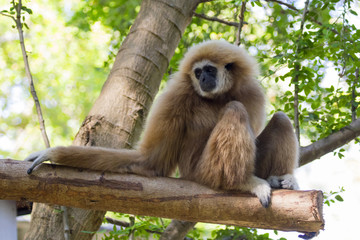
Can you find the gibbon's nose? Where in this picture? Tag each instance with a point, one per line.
(207, 83)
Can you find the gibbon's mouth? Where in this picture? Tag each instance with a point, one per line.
(207, 86)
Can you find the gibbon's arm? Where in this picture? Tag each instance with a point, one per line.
(96, 158)
(228, 158)
(156, 155)
(164, 132)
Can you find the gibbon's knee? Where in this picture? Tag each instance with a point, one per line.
(227, 161)
(276, 148)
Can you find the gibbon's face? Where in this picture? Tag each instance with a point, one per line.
(210, 79)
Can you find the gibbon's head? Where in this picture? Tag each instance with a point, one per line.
(216, 66)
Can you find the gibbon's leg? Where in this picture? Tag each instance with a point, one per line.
(227, 161)
(277, 153)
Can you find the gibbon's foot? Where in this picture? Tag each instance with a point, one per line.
(260, 188)
(37, 158)
(286, 181)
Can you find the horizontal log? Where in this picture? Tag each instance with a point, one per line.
(160, 197)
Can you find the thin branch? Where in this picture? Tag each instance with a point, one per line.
(296, 78)
(117, 222)
(241, 23)
(28, 72)
(7, 15)
(353, 95)
(19, 26)
(66, 222)
(215, 19)
(285, 4)
(127, 224)
(312, 19)
(177, 230)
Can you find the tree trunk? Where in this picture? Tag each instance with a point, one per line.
(118, 114)
(160, 197)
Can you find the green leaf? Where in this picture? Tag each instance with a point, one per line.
(339, 198)
(353, 12)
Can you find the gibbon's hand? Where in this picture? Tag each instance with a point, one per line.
(260, 188)
(37, 158)
(287, 181)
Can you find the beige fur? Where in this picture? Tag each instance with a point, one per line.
(210, 136)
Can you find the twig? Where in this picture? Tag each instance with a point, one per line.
(19, 25)
(296, 78)
(66, 222)
(312, 19)
(353, 95)
(241, 23)
(28, 72)
(7, 15)
(127, 224)
(132, 232)
(285, 4)
(215, 19)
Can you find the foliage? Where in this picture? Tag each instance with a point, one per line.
(239, 233)
(66, 83)
(68, 47)
(332, 196)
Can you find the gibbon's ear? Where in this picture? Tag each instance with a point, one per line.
(229, 66)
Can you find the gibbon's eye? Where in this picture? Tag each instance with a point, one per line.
(210, 69)
(197, 72)
(229, 66)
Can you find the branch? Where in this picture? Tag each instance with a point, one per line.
(160, 197)
(241, 23)
(296, 78)
(28, 72)
(353, 95)
(7, 15)
(285, 4)
(330, 143)
(215, 19)
(297, 10)
(177, 230)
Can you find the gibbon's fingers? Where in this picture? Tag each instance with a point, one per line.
(37, 158)
(287, 181)
(260, 188)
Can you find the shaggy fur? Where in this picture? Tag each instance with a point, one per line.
(211, 136)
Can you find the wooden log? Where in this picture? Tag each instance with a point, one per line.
(161, 197)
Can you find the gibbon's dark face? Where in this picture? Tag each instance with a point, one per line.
(211, 79)
(207, 76)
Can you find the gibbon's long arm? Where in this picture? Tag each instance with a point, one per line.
(228, 158)
(156, 155)
(95, 158)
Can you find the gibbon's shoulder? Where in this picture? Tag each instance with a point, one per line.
(220, 52)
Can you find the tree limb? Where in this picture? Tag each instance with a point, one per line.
(285, 4)
(297, 10)
(177, 230)
(295, 80)
(241, 23)
(160, 197)
(330, 143)
(215, 19)
(28, 72)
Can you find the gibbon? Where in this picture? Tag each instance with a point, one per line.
(208, 123)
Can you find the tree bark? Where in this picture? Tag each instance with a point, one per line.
(118, 114)
(161, 197)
